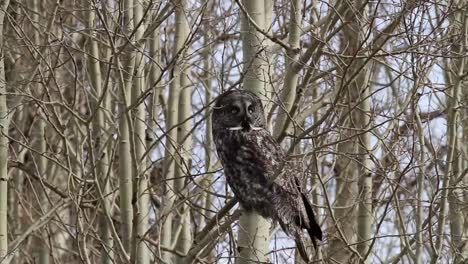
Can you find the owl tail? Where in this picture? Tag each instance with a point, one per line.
(301, 247)
(313, 229)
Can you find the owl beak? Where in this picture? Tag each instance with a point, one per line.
(247, 125)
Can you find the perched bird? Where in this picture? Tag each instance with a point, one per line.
(256, 167)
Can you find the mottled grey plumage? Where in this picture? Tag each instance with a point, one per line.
(256, 168)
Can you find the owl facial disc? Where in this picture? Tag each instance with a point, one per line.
(238, 110)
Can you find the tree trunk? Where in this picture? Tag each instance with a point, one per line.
(253, 238)
(352, 168)
(42, 251)
(140, 176)
(457, 71)
(4, 123)
(181, 33)
(101, 135)
(184, 161)
(125, 156)
(288, 95)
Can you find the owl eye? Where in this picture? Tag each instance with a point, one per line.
(234, 110)
(251, 109)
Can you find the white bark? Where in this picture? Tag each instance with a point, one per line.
(100, 136)
(452, 191)
(253, 238)
(125, 156)
(42, 251)
(4, 123)
(140, 178)
(291, 77)
(365, 211)
(181, 33)
(418, 257)
(353, 175)
(184, 140)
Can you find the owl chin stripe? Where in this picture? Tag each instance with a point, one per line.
(240, 128)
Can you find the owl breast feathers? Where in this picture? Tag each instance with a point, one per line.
(256, 168)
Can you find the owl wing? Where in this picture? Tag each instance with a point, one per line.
(287, 187)
(293, 207)
(264, 154)
(283, 175)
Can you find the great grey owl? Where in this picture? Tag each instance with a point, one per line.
(256, 167)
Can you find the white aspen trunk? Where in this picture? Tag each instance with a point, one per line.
(457, 70)
(184, 140)
(14, 211)
(462, 248)
(17, 175)
(154, 107)
(353, 178)
(365, 211)
(181, 33)
(252, 44)
(140, 177)
(100, 137)
(208, 179)
(207, 80)
(267, 44)
(4, 123)
(451, 161)
(418, 255)
(253, 236)
(41, 246)
(462, 244)
(317, 171)
(41, 250)
(125, 157)
(153, 76)
(288, 95)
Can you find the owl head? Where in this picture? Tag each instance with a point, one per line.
(238, 110)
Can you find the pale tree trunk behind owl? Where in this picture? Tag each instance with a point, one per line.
(40, 162)
(154, 74)
(461, 243)
(362, 118)
(168, 241)
(101, 135)
(184, 158)
(207, 79)
(140, 250)
(454, 213)
(291, 76)
(125, 148)
(253, 234)
(457, 69)
(352, 175)
(4, 122)
(183, 241)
